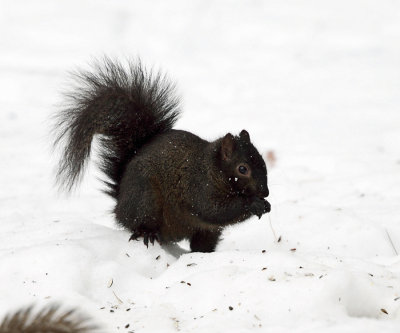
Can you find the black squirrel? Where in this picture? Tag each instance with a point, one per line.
(49, 319)
(168, 184)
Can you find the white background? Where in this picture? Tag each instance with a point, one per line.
(315, 82)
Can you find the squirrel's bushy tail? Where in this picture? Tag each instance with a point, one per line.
(126, 106)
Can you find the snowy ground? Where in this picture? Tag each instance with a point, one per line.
(316, 82)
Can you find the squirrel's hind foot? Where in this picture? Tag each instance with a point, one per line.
(148, 235)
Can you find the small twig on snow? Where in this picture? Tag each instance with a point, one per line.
(273, 231)
(391, 242)
(118, 299)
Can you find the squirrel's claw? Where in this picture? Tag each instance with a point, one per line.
(152, 238)
(267, 206)
(259, 207)
(148, 236)
(134, 236)
(146, 240)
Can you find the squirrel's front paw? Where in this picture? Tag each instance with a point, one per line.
(259, 207)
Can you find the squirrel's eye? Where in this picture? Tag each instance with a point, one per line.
(242, 169)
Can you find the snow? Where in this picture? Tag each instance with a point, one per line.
(315, 83)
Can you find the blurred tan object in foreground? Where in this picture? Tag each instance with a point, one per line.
(47, 320)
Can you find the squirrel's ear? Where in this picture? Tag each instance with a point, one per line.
(227, 146)
(244, 135)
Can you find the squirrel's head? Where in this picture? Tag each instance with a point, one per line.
(243, 165)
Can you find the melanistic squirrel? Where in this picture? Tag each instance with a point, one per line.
(168, 184)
